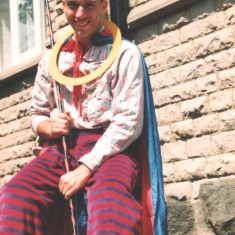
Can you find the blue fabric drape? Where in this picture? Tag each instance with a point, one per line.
(154, 152)
(154, 158)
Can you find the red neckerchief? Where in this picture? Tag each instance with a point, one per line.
(75, 47)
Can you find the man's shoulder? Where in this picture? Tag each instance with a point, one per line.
(130, 47)
(129, 44)
(46, 55)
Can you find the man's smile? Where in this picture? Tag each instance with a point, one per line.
(82, 23)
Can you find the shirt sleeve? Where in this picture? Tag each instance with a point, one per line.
(127, 109)
(43, 100)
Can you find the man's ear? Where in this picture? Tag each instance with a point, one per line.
(63, 3)
(104, 7)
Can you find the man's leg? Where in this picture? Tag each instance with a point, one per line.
(27, 200)
(112, 208)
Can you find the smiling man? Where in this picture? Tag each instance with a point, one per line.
(84, 17)
(103, 120)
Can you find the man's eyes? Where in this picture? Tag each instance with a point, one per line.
(75, 5)
(89, 6)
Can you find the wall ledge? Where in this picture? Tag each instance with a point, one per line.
(154, 10)
(16, 72)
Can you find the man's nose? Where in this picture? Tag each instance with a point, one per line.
(80, 11)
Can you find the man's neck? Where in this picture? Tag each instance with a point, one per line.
(85, 44)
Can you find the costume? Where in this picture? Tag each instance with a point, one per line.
(120, 125)
(34, 192)
(153, 202)
(111, 102)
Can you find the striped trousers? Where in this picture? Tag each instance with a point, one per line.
(28, 201)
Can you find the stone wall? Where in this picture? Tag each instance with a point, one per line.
(190, 54)
(16, 137)
(191, 60)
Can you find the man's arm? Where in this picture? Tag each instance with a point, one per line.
(127, 108)
(55, 127)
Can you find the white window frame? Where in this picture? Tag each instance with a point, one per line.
(17, 56)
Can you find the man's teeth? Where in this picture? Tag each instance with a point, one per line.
(81, 23)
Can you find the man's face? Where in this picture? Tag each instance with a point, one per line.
(84, 16)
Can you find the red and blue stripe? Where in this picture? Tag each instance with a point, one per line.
(29, 201)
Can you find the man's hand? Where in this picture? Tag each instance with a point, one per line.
(73, 181)
(58, 126)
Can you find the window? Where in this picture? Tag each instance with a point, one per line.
(22, 31)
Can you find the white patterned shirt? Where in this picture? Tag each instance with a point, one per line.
(115, 101)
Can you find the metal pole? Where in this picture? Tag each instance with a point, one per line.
(118, 14)
(61, 109)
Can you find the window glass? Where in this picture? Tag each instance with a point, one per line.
(26, 25)
(22, 31)
(5, 35)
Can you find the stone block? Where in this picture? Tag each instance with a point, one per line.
(234, 97)
(15, 126)
(191, 31)
(183, 91)
(182, 130)
(223, 142)
(166, 41)
(226, 79)
(207, 84)
(60, 22)
(195, 107)
(59, 9)
(178, 191)
(190, 170)
(180, 218)
(221, 165)
(227, 120)
(161, 97)
(220, 61)
(230, 14)
(199, 147)
(151, 63)
(160, 62)
(195, 69)
(220, 101)
(213, 22)
(168, 171)
(206, 125)
(15, 152)
(146, 48)
(202, 27)
(14, 166)
(181, 54)
(166, 78)
(231, 58)
(219, 205)
(16, 98)
(169, 114)
(164, 133)
(174, 151)
(200, 220)
(14, 112)
(17, 138)
(218, 41)
(196, 189)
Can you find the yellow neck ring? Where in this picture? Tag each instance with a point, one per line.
(68, 81)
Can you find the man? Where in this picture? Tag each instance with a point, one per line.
(102, 119)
